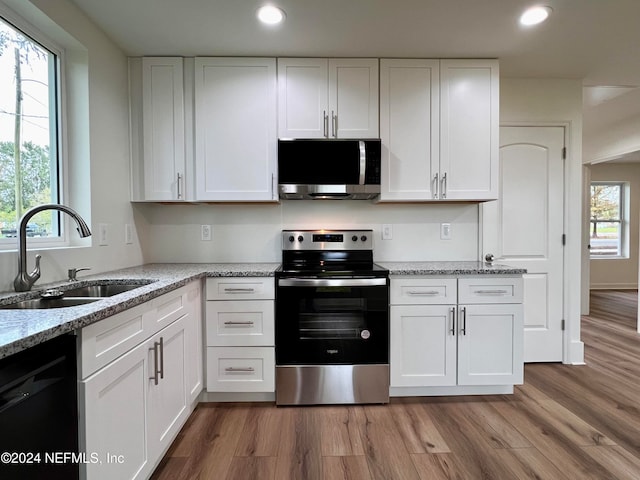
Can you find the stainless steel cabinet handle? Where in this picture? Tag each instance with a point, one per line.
(443, 185)
(453, 320)
(155, 363)
(239, 369)
(179, 187)
(435, 186)
(161, 357)
(325, 119)
(238, 323)
(463, 317)
(334, 124)
(491, 292)
(239, 290)
(423, 292)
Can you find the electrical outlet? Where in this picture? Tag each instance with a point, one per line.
(205, 233)
(387, 232)
(103, 234)
(445, 231)
(128, 234)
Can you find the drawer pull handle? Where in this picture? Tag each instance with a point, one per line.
(239, 290)
(239, 323)
(239, 369)
(491, 292)
(421, 292)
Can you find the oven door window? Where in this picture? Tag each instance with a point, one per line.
(332, 325)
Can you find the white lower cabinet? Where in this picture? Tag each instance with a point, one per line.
(240, 335)
(133, 407)
(438, 341)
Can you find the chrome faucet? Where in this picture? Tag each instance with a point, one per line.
(24, 281)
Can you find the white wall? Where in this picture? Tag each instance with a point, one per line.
(97, 142)
(616, 140)
(558, 102)
(251, 233)
(620, 272)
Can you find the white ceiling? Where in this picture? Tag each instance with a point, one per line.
(597, 41)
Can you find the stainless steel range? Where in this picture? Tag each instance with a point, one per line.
(332, 320)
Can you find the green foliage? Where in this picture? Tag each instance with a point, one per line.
(36, 188)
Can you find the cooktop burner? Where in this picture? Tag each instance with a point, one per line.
(329, 253)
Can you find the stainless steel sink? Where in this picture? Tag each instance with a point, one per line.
(59, 298)
(39, 303)
(101, 290)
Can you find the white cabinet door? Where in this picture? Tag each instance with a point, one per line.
(302, 98)
(167, 401)
(490, 344)
(353, 98)
(409, 128)
(422, 346)
(235, 129)
(115, 418)
(327, 98)
(163, 128)
(469, 107)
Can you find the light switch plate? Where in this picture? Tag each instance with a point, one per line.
(445, 231)
(103, 234)
(205, 233)
(387, 232)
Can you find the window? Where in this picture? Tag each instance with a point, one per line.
(608, 212)
(29, 119)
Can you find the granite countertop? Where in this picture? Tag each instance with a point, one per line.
(449, 268)
(21, 329)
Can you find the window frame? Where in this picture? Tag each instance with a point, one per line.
(622, 221)
(57, 141)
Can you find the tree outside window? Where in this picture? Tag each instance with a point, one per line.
(28, 133)
(607, 219)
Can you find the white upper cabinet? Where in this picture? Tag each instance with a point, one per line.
(158, 129)
(469, 108)
(327, 98)
(439, 129)
(409, 128)
(235, 129)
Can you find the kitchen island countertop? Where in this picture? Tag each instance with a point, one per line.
(21, 329)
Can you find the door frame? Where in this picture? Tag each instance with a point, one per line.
(573, 347)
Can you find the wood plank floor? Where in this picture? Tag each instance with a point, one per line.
(565, 422)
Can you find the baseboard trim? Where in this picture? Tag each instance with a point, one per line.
(613, 286)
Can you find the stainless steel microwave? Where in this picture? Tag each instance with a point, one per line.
(329, 169)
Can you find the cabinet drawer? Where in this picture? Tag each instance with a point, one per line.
(241, 369)
(421, 291)
(241, 288)
(490, 290)
(240, 323)
(108, 339)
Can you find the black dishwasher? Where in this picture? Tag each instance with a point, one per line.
(39, 412)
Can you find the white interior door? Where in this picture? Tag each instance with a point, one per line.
(524, 229)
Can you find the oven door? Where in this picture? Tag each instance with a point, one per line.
(329, 321)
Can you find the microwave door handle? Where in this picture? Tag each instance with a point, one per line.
(363, 162)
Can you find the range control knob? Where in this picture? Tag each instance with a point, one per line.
(354, 238)
(363, 238)
(300, 238)
(291, 238)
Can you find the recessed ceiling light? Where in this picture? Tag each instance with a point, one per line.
(535, 15)
(270, 15)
